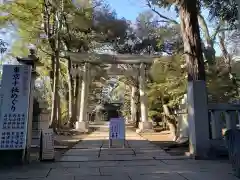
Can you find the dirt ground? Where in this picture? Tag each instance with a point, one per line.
(164, 141)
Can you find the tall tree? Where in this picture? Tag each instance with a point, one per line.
(188, 12)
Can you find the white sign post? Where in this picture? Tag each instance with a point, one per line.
(116, 130)
(15, 92)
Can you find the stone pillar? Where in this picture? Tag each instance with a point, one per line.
(87, 93)
(79, 96)
(133, 104)
(144, 124)
(182, 127)
(199, 144)
(30, 118)
(82, 125)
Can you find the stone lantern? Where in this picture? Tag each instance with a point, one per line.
(31, 60)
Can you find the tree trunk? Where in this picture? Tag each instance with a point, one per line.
(226, 55)
(228, 61)
(209, 51)
(56, 29)
(70, 93)
(133, 104)
(171, 122)
(56, 73)
(191, 37)
(59, 123)
(51, 73)
(55, 93)
(138, 109)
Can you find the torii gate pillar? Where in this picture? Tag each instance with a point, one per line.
(144, 125)
(82, 124)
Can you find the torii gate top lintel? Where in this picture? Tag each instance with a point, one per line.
(96, 58)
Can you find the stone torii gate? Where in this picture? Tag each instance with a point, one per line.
(89, 59)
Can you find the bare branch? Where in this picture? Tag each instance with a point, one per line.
(159, 14)
(152, 22)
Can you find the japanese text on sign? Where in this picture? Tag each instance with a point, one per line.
(117, 128)
(15, 93)
(48, 144)
(15, 88)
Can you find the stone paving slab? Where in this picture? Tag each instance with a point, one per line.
(90, 143)
(75, 172)
(118, 152)
(114, 146)
(104, 158)
(141, 163)
(208, 176)
(140, 160)
(97, 147)
(153, 150)
(27, 174)
(114, 149)
(99, 164)
(53, 165)
(192, 161)
(206, 167)
(159, 169)
(82, 153)
(66, 165)
(123, 177)
(166, 176)
(169, 157)
(124, 157)
(59, 177)
(77, 158)
(141, 144)
(131, 170)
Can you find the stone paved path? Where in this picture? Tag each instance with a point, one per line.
(91, 159)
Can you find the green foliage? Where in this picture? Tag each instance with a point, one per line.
(220, 86)
(126, 106)
(169, 82)
(25, 16)
(84, 27)
(224, 10)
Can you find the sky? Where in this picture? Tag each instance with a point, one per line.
(130, 9)
(127, 8)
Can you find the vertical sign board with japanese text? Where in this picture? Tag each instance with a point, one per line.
(117, 128)
(15, 91)
(47, 144)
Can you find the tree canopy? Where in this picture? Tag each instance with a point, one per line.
(54, 27)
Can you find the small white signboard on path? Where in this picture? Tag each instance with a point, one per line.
(116, 130)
